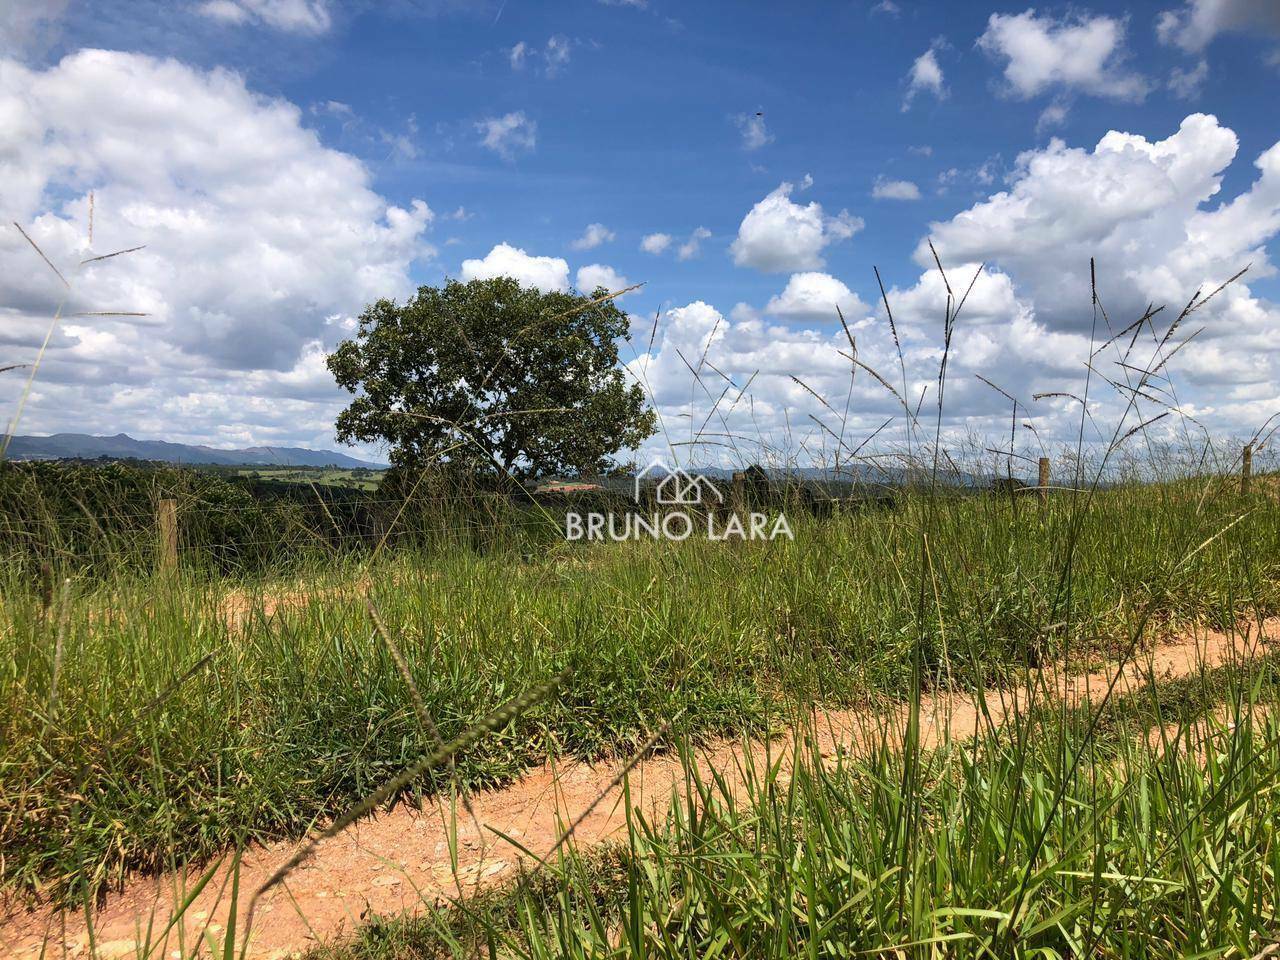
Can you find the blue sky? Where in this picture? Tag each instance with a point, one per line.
(523, 123)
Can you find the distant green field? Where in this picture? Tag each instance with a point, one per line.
(357, 479)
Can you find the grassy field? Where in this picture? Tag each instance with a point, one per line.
(152, 721)
(357, 479)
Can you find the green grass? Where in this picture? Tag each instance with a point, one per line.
(1159, 846)
(292, 718)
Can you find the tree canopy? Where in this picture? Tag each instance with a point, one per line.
(492, 376)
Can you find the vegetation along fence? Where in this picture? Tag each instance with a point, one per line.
(98, 519)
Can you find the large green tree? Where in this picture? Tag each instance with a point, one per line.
(492, 376)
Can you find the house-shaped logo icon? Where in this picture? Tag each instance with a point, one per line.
(679, 488)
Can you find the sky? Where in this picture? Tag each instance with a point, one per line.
(286, 162)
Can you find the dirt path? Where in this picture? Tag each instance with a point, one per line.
(396, 861)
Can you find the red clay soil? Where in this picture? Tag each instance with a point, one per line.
(400, 859)
(237, 607)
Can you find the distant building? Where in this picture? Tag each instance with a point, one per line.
(568, 486)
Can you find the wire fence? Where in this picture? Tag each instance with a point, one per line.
(96, 521)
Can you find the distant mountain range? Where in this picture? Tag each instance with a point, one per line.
(80, 446)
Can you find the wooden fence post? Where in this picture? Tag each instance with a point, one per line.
(738, 495)
(167, 529)
(1246, 468)
(1043, 483)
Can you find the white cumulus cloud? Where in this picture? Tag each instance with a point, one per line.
(655, 243)
(261, 243)
(504, 260)
(1185, 83)
(556, 53)
(925, 76)
(763, 415)
(779, 235)
(1195, 24)
(1130, 202)
(693, 246)
(508, 134)
(1082, 53)
(595, 276)
(1054, 115)
(659, 243)
(554, 56)
(593, 236)
(754, 133)
(886, 189)
(1152, 213)
(1149, 211)
(815, 297)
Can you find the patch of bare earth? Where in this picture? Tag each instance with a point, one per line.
(238, 606)
(401, 859)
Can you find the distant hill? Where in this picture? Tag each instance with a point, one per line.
(80, 446)
(866, 473)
